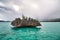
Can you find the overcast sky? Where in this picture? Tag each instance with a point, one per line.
(39, 9)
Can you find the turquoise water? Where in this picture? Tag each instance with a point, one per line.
(48, 31)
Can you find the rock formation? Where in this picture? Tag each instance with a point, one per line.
(25, 22)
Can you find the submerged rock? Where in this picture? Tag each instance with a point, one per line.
(25, 22)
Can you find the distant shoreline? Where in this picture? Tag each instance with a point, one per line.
(5, 21)
(49, 21)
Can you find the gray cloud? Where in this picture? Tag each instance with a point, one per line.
(41, 9)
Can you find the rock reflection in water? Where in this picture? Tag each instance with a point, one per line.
(26, 33)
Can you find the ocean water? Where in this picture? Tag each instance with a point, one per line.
(48, 31)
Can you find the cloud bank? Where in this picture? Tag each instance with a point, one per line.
(39, 9)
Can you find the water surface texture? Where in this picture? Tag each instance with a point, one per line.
(48, 31)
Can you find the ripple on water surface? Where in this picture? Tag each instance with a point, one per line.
(43, 33)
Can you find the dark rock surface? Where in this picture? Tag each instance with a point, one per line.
(25, 22)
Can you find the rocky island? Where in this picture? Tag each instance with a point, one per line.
(25, 22)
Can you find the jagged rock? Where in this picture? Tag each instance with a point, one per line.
(25, 22)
